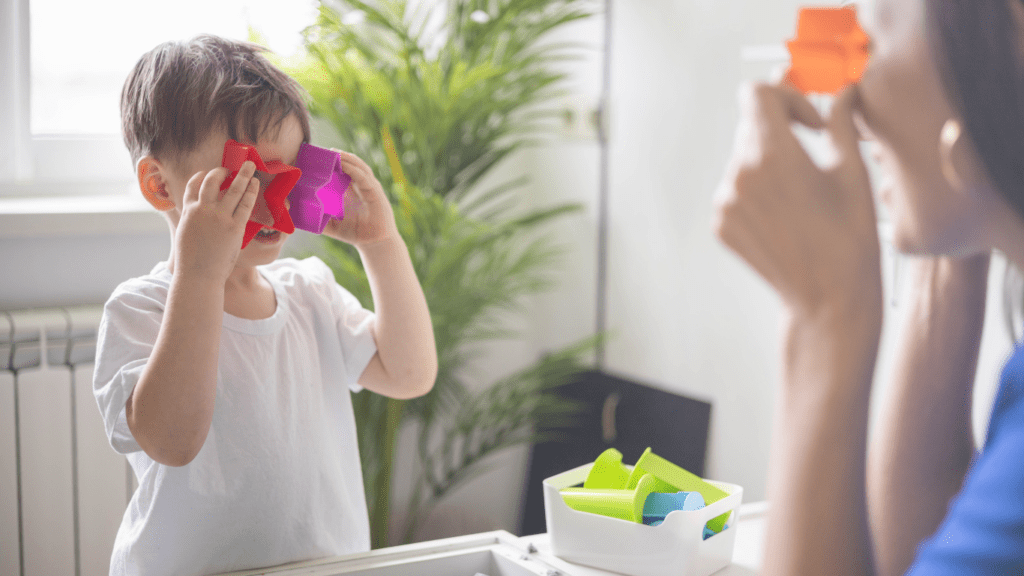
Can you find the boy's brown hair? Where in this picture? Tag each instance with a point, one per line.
(179, 91)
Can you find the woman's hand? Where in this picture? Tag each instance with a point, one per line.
(368, 215)
(810, 233)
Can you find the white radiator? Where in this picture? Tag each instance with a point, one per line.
(63, 488)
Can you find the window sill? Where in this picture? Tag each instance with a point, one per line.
(87, 215)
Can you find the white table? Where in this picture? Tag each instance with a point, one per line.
(501, 553)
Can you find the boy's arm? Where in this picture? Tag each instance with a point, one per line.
(405, 365)
(170, 410)
(171, 407)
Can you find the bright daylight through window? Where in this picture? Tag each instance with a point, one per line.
(81, 52)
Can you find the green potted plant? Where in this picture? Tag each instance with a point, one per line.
(434, 98)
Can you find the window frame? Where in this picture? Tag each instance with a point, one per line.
(57, 184)
(15, 132)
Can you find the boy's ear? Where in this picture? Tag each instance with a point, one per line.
(153, 183)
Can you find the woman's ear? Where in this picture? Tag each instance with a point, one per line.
(153, 183)
(960, 165)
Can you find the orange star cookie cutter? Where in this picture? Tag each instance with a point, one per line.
(830, 50)
(284, 179)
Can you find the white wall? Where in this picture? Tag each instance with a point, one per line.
(60, 269)
(690, 317)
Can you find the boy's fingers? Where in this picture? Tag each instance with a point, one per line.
(193, 186)
(210, 190)
(356, 171)
(243, 210)
(348, 156)
(350, 160)
(241, 182)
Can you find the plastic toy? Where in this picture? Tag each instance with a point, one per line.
(284, 178)
(677, 479)
(830, 50)
(318, 195)
(608, 472)
(622, 504)
(659, 505)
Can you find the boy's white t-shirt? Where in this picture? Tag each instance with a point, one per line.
(278, 478)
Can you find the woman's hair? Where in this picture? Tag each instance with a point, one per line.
(977, 46)
(179, 91)
(979, 49)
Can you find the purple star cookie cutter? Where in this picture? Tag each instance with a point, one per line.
(318, 195)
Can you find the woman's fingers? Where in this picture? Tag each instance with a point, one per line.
(799, 108)
(842, 128)
(742, 234)
(765, 133)
(779, 106)
(850, 168)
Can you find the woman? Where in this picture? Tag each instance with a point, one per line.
(943, 100)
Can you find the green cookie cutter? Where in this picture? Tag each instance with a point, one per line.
(608, 472)
(618, 503)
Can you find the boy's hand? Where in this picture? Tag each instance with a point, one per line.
(209, 234)
(368, 215)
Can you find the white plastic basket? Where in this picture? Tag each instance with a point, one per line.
(675, 548)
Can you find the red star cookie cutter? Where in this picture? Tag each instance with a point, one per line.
(319, 194)
(830, 50)
(284, 178)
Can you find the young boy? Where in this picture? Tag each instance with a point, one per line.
(223, 375)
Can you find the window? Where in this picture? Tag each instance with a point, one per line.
(62, 65)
